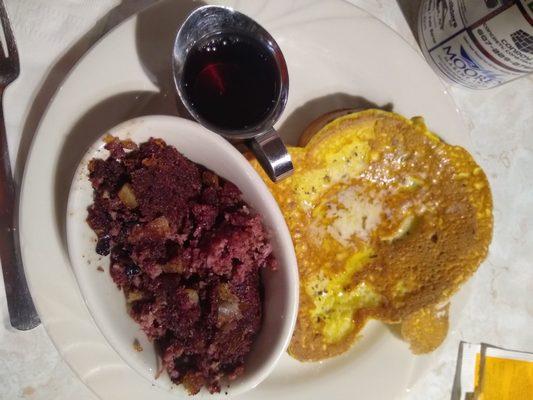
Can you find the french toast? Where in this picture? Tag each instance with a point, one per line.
(387, 222)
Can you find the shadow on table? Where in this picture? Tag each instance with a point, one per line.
(410, 12)
(155, 31)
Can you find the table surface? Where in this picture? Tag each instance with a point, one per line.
(51, 36)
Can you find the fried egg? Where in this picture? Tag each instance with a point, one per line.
(387, 222)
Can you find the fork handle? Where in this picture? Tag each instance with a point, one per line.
(22, 314)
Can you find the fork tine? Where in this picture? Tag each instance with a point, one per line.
(10, 38)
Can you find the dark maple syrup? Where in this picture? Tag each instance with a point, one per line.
(231, 80)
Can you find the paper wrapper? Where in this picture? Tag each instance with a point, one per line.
(485, 372)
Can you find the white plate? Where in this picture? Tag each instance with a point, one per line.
(107, 304)
(337, 55)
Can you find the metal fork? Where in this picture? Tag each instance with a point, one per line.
(22, 312)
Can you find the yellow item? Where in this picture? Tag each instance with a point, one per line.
(504, 379)
(387, 222)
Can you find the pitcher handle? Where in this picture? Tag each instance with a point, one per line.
(272, 155)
